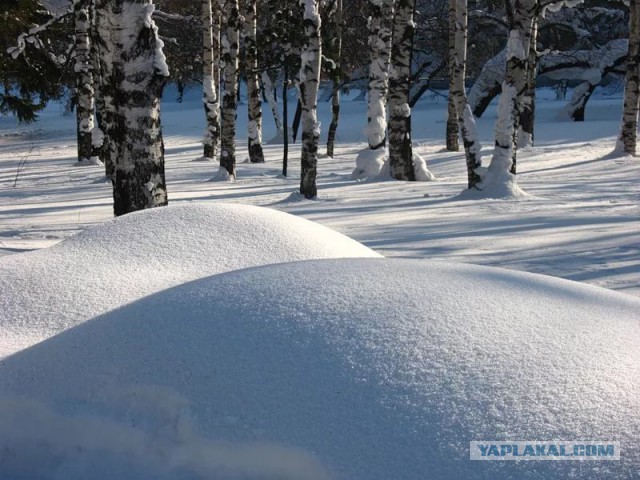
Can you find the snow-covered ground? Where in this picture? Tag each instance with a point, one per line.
(359, 369)
(582, 221)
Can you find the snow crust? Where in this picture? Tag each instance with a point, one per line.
(102, 268)
(353, 368)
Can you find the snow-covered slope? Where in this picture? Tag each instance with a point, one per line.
(349, 369)
(45, 292)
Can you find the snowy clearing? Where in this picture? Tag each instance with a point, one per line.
(581, 221)
(367, 369)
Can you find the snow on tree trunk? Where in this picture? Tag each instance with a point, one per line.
(98, 132)
(210, 78)
(453, 128)
(309, 83)
(467, 123)
(84, 81)
(528, 110)
(253, 86)
(370, 161)
(576, 107)
(229, 64)
(400, 147)
(134, 71)
(488, 84)
(502, 170)
(628, 133)
(337, 78)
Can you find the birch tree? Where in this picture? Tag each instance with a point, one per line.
(458, 60)
(309, 81)
(528, 108)
(336, 77)
(84, 80)
(400, 146)
(502, 170)
(453, 128)
(370, 161)
(211, 77)
(133, 75)
(229, 65)
(628, 134)
(253, 86)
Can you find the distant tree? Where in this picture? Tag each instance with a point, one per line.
(335, 71)
(628, 135)
(309, 82)
(400, 144)
(229, 60)
(211, 77)
(252, 75)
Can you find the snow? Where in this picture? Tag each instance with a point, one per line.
(350, 368)
(48, 291)
(369, 163)
(581, 221)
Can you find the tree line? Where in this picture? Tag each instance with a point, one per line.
(119, 54)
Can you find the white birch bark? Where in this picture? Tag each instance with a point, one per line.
(84, 80)
(254, 107)
(230, 41)
(400, 146)
(528, 110)
(211, 77)
(336, 75)
(134, 71)
(628, 133)
(309, 78)
(502, 169)
(467, 123)
(453, 127)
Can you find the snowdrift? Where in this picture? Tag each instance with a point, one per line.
(348, 369)
(45, 292)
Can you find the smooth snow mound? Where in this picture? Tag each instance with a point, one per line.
(45, 292)
(348, 369)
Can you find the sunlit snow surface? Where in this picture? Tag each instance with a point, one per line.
(47, 291)
(347, 369)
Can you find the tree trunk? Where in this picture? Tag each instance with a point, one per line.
(295, 125)
(84, 81)
(210, 77)
(528, 112)
(134, 73)
(467, 123)
(576, 107)
(337, 78)
(400, 147)
(503, 162)
(253, 86)
(380, 50)
(285, 119)
(453, 128)
(230, 50)
(270, 94)
(309, 83)
(628, 133)
(99, 145)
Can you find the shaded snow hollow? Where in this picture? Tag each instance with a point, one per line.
(348, 369)
(104, 267)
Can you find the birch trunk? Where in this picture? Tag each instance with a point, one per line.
(270, 93)
(337, 78)
(133, 75)
(503, 163)
(84, 81)
(210, 78)
(467, 123)
(453, 128)
(229, 64)
(528, 111)
(253, 86)
(400, 147)
(380, 50)
(628, 133)
(309, 82)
